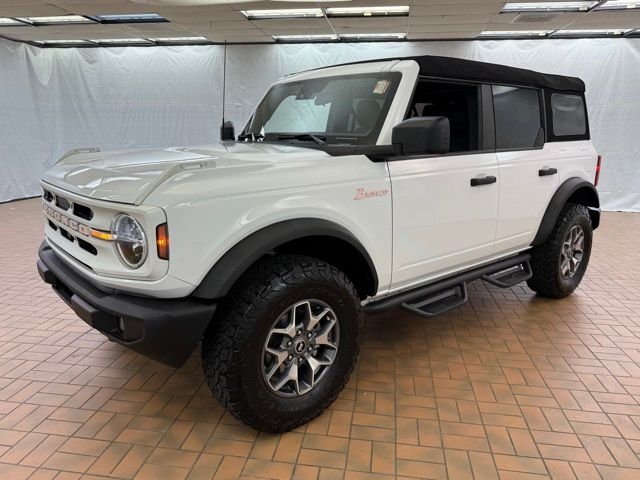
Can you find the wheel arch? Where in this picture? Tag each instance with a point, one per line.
(573, 190)
(322, 239)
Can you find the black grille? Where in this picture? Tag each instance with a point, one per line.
(66, 234)
(87, 246)
(63, 203)
(47, 195)
(52, 225)
(82, 211)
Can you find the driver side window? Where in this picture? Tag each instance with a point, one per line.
(456, 101)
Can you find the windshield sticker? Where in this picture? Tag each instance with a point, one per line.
(381, 87)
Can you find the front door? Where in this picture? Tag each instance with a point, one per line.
(440, 221)
(445, 207)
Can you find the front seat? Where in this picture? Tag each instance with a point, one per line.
(367, 114)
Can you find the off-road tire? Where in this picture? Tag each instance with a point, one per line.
(547, 279)
(232, 347)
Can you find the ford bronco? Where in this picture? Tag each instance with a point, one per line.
(351, 190)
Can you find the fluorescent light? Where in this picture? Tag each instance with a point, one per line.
(597, 32)
(131, 18)
(282, 13)
(180, 40)
(67, 42)
(9, 21)
(515, 33)
(514, 7)
(56, 20)
(619, 5)
(390, 11)
(373, 36)
(305, 38)
(120, 41)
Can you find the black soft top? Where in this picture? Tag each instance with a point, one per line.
(459, 68)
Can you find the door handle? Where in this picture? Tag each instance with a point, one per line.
(483, 180)
(543, 172)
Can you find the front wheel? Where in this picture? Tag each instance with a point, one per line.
(283, 344)
(560, 263)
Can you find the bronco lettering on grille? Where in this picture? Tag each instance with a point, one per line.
(65, 221)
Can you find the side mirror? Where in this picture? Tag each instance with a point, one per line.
(418, 135)
(227, 131)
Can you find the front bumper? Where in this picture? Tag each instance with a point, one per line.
(165, 330)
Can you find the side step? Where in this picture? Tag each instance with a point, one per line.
(511, 276)
(437, 297)
(439, 303)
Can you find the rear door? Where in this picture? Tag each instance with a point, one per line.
(528, 167)
(445, 207)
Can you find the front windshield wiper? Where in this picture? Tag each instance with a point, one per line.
(254, 137)
(303, 137)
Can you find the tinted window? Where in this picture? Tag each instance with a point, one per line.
(458, 103)
(517, 114)
(568, 115)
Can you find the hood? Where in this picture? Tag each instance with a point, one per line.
(129, 176)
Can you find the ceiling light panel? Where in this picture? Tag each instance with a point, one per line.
(57, 20)
(619, 5)
(180, 40)
(596, 32)
(517, 7)
(9, 21)
(121, 41)
(391, 11)
(305, 38)
(282, 13)
(515, 33)
(373, 36)
(131, 18)
(67, 42)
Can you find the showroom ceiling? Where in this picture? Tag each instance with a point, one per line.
(162, 22)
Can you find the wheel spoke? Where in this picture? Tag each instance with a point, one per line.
(315, 319)
(323, 337)
(290, 329)
(290, 375)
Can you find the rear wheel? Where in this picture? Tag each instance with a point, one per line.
(283, 344)
(560, 263)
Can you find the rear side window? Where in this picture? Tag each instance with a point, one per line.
(517, 117)
(568, 115)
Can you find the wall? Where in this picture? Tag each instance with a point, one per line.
(57, 99)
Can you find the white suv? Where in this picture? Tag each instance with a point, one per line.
(352, 189)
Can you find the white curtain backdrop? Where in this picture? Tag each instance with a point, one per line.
(57, 99)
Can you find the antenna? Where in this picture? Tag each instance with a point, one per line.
(226, 129)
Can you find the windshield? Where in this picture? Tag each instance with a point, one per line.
(347, 109)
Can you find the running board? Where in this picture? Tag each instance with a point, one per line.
(511, 276)
(439, 303)
(417, 295)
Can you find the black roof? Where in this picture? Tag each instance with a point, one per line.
(459, 68)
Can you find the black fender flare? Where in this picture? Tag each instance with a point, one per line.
(583, 192)
(228, 269)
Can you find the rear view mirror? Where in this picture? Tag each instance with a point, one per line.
(429, 135)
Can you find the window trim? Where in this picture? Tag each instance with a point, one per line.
(552, 137)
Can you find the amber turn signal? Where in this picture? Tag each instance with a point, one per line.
(102, 235)
(162, 241)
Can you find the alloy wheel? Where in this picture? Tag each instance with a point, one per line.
(300, 348)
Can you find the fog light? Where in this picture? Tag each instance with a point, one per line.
(121, 325)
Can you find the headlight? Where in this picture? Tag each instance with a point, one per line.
(130, 240)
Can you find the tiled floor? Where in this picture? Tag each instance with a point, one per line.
(511, 387)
